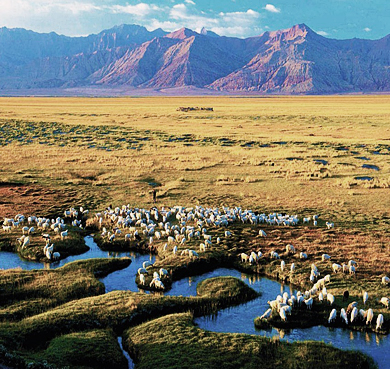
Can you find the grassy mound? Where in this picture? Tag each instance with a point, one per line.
(174, 342)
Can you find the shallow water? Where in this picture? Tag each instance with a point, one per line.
(238, 319)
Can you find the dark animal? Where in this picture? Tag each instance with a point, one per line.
(345, 295)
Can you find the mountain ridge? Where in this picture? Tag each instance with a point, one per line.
(291, 61)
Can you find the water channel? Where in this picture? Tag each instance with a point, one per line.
(238, 319)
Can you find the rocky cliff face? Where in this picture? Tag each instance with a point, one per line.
(296, 60)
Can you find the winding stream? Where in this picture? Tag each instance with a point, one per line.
(238, 319)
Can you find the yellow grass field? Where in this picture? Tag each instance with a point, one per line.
(232, 155)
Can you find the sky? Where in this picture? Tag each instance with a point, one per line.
(340, 19)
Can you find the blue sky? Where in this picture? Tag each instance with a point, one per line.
(339, 19)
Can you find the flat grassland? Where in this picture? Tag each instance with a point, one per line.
(255, 152)
(327, 155)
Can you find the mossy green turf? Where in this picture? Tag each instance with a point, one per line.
(174, 341)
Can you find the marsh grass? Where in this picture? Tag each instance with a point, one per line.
(174, 341)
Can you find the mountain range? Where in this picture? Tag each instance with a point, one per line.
(292, 61)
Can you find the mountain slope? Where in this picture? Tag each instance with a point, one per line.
(291, 61)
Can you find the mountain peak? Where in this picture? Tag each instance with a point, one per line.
(182, 33)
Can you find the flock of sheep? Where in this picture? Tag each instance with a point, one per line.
(176, 227)
(33, 225)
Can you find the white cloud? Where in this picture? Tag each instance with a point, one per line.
(141, 9)
(322, 33)
(272, 8)
(367, 29)
(82, 17)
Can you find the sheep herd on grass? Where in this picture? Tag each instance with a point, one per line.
(185, 232)
(34, 226)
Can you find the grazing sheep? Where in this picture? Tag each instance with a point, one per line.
(267, 314)
(385, 301)
(31, 230)
(56, 255)
(274, 255)
(274, 304)
(174, 251)
(26, 242)
(244, 257)
(344, 316)
(303, 255)
(336, 267)
(262, 233)
(332, 316)
(163, 272)
(282, 314)
(325, 257)
(7, 228)
(64, 234)
(352, 262)
(362, 314)
(290, 249)
(142, 270)
(352, 269)
(330, 299)
(25, 230)
(292, 269)
(329, 225)
(365, 297)
(282, 265)
(345, 268)
(385, 280)
(370, 316)
(351, 306)
(354, 314)
(321, 297)
(193, 254)
(379, 321)
(309, 303)
(327, 278)
(146, 263)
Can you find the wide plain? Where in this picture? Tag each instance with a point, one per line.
(296, 155)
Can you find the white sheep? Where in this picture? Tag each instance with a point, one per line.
(385, 280)
(370, 316)
(142, 279)
(332, 316)
(163, 272)
(142, 270)
(31, 230)
(282, 265)
(325, 257)
(56, 255)
(282, 314)
(274, 255)
(244, 257)
(146, 263)
(292, 268)
(303, 255)
(309, 303)
(379, 321)
(352, 269)
(290, 249)
(25, 230)
(329, 225)
(330, 299)
(343, 316)
(267, 314)
(354, 314)
(336, 267)
(64, 234)
(385, 301)
(262, 233)
(174, 251)
(26, 242)
(193, 254)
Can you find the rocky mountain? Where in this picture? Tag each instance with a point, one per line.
(292, 61)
